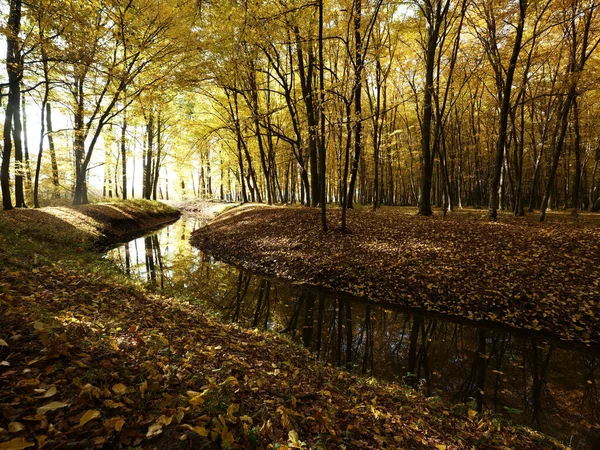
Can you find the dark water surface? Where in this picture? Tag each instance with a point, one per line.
(546, 385)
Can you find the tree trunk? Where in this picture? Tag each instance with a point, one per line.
(357, 96)
(14, 69)
(149, 158)
(306, 84)
(159, 147)
(26, 146)
(576, 188)
(124, 156)
(322, 148)
(504, 114)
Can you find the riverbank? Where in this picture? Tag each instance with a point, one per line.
(516, 272)
(88, 359)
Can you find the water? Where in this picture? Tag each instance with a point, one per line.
(549, 386)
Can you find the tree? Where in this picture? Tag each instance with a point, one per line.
(12, 118)
(110, 49)
(504, 85)
(579, 18)
(440, 17)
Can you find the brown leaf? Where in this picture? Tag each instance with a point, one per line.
(49, 393)
(15, 427)
(50, 407)
(41, 327)
(16, 444)
(119, 389)
(90, 414)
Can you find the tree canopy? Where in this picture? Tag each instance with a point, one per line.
(430, 102)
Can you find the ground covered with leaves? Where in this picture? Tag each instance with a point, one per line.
(88, 359)
(517, 272)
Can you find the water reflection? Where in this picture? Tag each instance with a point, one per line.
(549, 387)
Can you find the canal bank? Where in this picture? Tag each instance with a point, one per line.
(517, 375)
(89, 358)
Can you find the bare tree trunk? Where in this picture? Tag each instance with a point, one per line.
(27, 167)
(504, 114)
(149, 158)
(124, 155)
(357, 97)
(576, 189)
(322, 148)
(14, 71)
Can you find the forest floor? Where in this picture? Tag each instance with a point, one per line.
(543, 277)
(89, 359)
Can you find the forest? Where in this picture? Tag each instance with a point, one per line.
(292, 224)
(435, 103)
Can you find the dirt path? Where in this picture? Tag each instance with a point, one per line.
(203, 209)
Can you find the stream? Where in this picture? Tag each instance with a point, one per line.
(549, 386)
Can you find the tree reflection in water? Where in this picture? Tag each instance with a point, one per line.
(548, 386)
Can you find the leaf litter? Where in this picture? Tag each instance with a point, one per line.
(131, 368)
(544, 278)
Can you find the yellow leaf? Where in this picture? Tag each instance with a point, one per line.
(49, 393)
(41, 326)
(226, 436)
(16, 444)
(154, 430)
(15, 427)
(3, 343)
(113, 404)
(201, 431)
(90, 414)
(472, 413)
(165, 420)
(50, 407)
(114, 422)
(197, 400)
(440, 447)
(294, 439)
(119, 424)
(119, 389)
(233, 409)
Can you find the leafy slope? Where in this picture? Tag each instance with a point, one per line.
(542, 277)
(87, 359)
(143, 370)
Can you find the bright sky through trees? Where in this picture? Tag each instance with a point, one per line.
(223, 100)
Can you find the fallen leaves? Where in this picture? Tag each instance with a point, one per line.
(115, 423)
(157, 427)
(16, 444)
(90, 414)
(49, 392)
(15, 427)
(119, 389)
(51, 407)
(41, 327)
(177, 374)
(517, 272)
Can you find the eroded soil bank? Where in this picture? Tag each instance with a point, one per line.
(88, 359)
(517, 272)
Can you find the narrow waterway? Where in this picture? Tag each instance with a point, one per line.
(546, 385)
